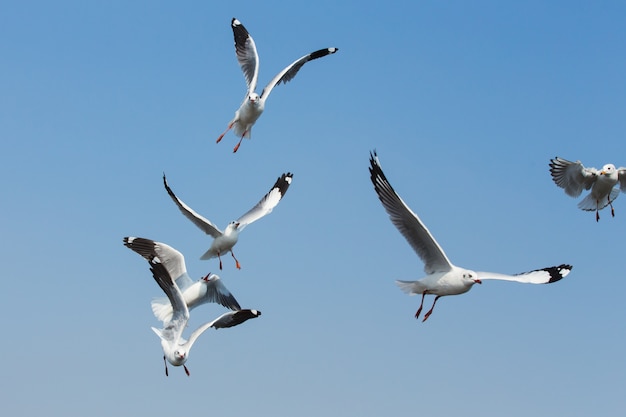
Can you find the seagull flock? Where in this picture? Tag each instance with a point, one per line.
(442, 278)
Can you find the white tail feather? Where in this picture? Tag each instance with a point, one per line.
(589, 203)
(411, 287)
(162, 309)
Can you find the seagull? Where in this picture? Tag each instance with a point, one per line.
(442, 277)
(573, 177)
(225, 241)
(175, 347)
(208, 289)
(254, 104)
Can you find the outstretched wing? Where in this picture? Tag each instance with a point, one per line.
(572, 176)
(228, 319)
(290, 71)
(268, 202)
(539, 276)
(216, 292)
(407, 222)
(203, 223)
(621, 176)
(246, 54)
(173, 329)
(172, 259)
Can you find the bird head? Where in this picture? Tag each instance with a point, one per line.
(607, 170)
(253, 98)
(471, 277)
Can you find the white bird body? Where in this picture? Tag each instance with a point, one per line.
(224, 242)
(175, 347)
(208, 289)
(253, 104)
(442, 277)
(573, 177)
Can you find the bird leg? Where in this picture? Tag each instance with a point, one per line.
(419, 310)
(597, 214)
(611, 204)
(186, 370)
(220, 258)
(238, 143)
(165, 360)
(236, 261)
(222, 135)
(431, 309)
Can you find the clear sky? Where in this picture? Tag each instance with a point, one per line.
(465, 102)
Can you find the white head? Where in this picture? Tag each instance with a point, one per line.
(608, 170)
(177, 357)
(232, 227)
(470, 278)
(253, 98)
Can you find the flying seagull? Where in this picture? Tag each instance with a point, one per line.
(208, 289)
(224, 241)
(442, 277)
(573, 177)
(254, 104)
(175, 347)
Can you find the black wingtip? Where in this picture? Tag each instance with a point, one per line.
(557, 273)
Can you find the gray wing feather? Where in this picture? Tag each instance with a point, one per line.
(572, 176)
(407, 222)
(204, 224)
(268, 202)
(289, 72)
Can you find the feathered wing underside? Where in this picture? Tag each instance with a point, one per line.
(589, 203)
(621, 177)
(538, 276)
(173, 329)
(411, 287)
(289, 72)
(407, 222)
(268, 202)
(228, 319)
(172, 259)
(218, 293)
(201, 222)
(247, 55)
(573, 177)
(215, 292)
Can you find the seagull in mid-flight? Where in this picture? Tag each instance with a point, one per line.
(175, 347)
(442, 277)
(573, 177)
(254, 104)
(224, 241)
(208, 289)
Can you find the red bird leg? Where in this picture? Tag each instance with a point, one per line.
(238, 144)
(597, 215)
(431, 309)
(186, 370)
(611, 204)
(236, 261)
(222, 135)
(419, 310)
(165, 360)
(220, 258)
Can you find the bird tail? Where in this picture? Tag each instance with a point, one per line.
(162, 309)
(589, 203)
(411, 287)
(209, 254)
(158, 332)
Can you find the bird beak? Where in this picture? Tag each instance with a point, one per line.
(237, 224)
(206, 278)
(602, 173)
(477, 281)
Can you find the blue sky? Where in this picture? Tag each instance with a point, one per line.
(465, 103)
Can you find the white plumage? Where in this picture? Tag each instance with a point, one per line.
(225, 241)
(253, 104)
(573, 177)
(442, 277)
